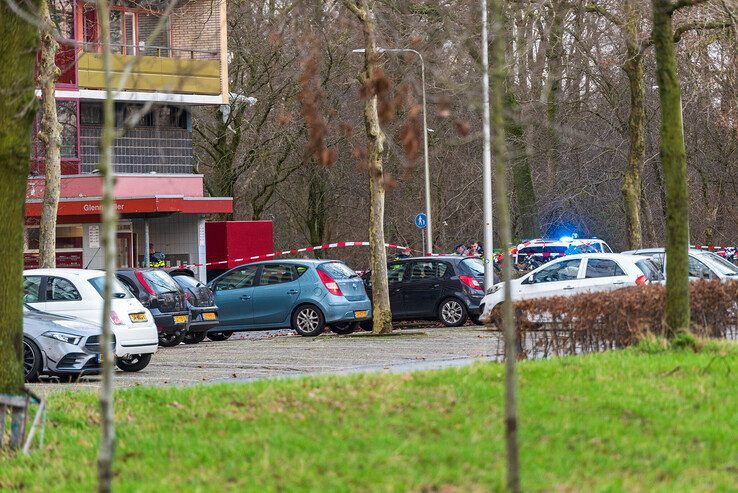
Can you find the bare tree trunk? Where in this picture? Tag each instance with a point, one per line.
(107, 425)
(674, 162)
(382, 318)
(552, 92)
(17, 106)
(499, 152)
(50, 135)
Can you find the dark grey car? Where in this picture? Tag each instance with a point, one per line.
(59, 345)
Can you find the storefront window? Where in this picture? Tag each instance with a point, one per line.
(67, 237)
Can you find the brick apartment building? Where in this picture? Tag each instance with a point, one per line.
(158, 196)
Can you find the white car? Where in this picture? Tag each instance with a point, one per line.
(78, 293)
(702, 264)
(575, 274)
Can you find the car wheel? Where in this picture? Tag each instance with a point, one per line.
(171, 339)
(133, 362)
(367, 325)
(452, 312)
(476, 319)
(219, 336)
(32, 362)
(344, 328)
(195, 337)
(308, 321)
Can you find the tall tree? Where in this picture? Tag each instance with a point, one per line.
(17, 106)
(50, 134)
(107, 425)
(499, 152)
(371, 80)
(674, 163)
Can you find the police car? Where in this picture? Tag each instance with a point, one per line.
(544, 250)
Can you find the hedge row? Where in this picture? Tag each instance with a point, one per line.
(602, 320)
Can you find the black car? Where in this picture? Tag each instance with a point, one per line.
(201, 303)
(166, 301)
(447, 288)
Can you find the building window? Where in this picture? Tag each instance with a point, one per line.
(67, 238)
(66, 111)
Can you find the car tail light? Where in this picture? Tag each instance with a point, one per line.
(329, 283)
(187, 296)
(115, 318)
(471, 282)
(146, 286)
(641, 280)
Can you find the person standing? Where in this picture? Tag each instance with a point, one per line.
(156, 259)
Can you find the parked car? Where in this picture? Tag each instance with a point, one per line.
(702, 264)
(575, 274)
(544, 250)
(59, 345)
(306, 295)
(79, 293)
(448, 288)
(163, 297)
(200, 302)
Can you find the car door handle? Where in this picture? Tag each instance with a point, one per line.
(245, 297)
(568, 287)
(618, 282)
(436, 285)
(292, 291)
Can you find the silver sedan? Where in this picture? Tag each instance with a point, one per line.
(59, 345)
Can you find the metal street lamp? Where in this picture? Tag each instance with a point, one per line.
(429, 227)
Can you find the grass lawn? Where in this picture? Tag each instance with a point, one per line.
(631, 420)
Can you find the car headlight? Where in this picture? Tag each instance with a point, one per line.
(63, 337)
(494, 289)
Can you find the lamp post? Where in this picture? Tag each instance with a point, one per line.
(487, 158)
(429, 227)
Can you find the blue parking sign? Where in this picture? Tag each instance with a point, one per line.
(421, 220)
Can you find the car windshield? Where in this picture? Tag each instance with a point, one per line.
(473, 266)
(160, 281)
(719, 264)
(338, 270)
(119, 291)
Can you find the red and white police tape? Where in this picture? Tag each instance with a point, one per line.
(325, 246)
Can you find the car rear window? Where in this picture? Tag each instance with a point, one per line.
(338, 270)
(160, 281)
(650, 270)
(473, 266)
(186, 281)
(119, 291)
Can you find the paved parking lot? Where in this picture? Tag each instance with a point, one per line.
(255, 355)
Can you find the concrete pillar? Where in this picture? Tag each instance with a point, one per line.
(202, 274)
(147, 260)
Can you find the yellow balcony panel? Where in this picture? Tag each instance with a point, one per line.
(149, 73)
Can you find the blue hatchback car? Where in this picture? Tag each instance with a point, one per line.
(306, 295)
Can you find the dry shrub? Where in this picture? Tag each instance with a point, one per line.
(603, 320)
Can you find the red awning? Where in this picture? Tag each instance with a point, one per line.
(136, 205)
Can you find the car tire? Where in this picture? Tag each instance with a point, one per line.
(219, 336)
(476, 319)
(32, 362)
(195, 337)
(172, 339)
(308, 321)
(367, 325)
(452, 312)
(344, 328)
(134, 362)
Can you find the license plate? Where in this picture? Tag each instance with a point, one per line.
(360, 313)
(180, 319)
(138, 317)
(209, 316)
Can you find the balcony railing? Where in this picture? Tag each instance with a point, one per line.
(153, 68)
